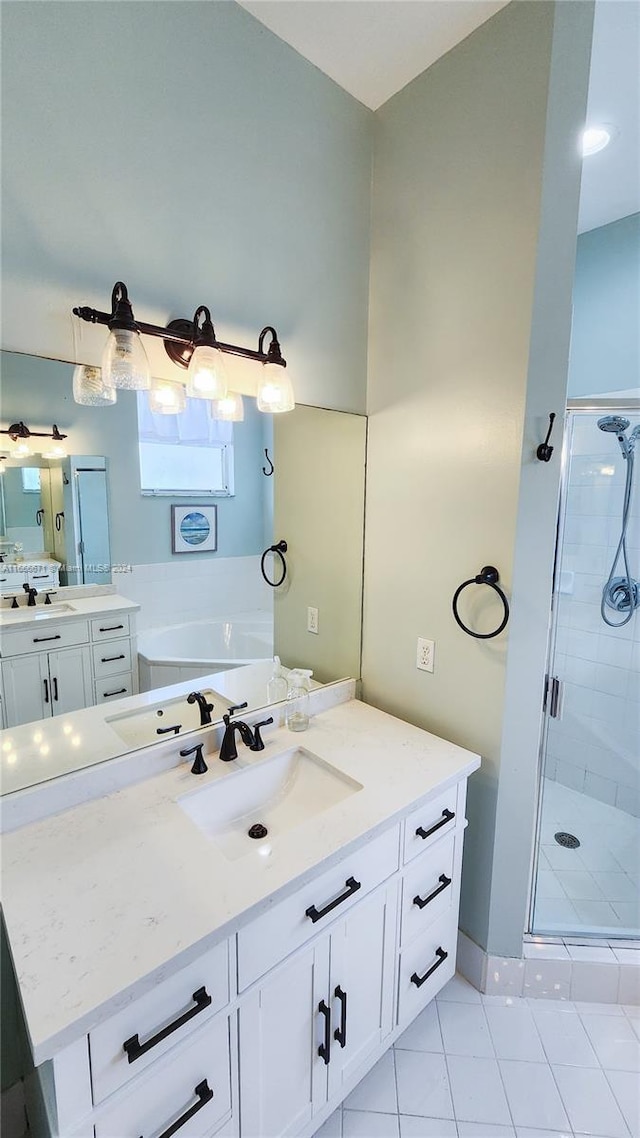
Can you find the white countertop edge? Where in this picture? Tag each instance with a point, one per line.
(81, 609)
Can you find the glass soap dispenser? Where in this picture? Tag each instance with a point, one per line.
(297, 710)
(277, 688)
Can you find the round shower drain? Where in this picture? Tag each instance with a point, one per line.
(569, 841)
(258, 830)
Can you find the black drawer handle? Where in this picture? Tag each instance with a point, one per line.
(41, 576)
(134, 1048)
(324, 1050)
(419, 980)
(447, 816)
(204, 1094)
(43, 639)
(112, 628)
(340, 1034)
(352, 887)
(107, 694)
(110, 659)
(445, 882)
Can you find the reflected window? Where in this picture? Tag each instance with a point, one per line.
(190, 453)
(30, 479)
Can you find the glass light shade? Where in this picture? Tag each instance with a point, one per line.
(124, 361)
(167, 398)
(230, 409)
(275, 392)
(21, 449)
(90, 389)
(55, 451)
(206, 375)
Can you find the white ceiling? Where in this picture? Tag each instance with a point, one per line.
(373, 48)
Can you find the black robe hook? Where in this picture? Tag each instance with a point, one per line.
(544, 451)
(264, 469)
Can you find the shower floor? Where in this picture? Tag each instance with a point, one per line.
(594, 889)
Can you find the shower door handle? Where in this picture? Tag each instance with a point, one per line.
(555, 697)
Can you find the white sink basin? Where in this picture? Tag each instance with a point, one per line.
(35, 612)
(140, 728)
(278, 793)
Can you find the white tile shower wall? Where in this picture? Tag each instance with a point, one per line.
(176, 592)
(595, 746)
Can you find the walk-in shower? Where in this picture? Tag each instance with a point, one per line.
(588, 853)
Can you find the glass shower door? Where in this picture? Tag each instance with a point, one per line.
(586, 876)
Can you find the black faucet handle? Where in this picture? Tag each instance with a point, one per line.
(237, 707)
(258, 743)
(199, 765)
(49, 594)
(14, 600)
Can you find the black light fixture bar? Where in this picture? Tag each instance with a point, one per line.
(181, 334)
(21, 431)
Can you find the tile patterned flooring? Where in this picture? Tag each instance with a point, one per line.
(595, 888)
(475, 1066)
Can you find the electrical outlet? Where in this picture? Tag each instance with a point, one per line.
(424, 655)
(312, 620)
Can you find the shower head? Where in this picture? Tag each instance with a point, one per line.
(614, 423)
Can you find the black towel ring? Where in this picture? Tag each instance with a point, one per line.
(488, 575)
(280, 549)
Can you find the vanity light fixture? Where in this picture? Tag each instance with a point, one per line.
(20, 434)
(230, 409)
(90, 388)
(124, 360)
(191, 344)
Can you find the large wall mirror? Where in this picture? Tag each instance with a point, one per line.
(297, 477)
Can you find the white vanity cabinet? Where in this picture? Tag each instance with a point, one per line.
(52, 667)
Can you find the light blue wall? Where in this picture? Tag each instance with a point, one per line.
(605, 342)
(39, 391)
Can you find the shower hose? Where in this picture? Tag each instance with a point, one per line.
(621, 592)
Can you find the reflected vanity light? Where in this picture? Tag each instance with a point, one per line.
(20, 435)
(230, 409)
(90, 389)
(192, 345)
(167, 397)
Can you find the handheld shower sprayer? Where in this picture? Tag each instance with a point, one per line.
(621, 593)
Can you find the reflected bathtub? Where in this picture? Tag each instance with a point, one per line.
(201, 648)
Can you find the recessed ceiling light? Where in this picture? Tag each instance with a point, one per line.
(595, 138)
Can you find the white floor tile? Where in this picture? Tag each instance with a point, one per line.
(614, 1042)
(616, 886)
(415, 1127)
(477, 1091)
(332, 1128)
(377, 1091)
(514, 1034)
(465, 1030)
(580, 885)
(626, 1088)
(592, 1008)
(366, 1124)
(484, 1130)
(565, 1040)
(598, 914)
(528, 1132)
(532, 1095)
(424, 1033)
(548, 887)
(589, 1101)
(555, 914)
(423, 1084)
(459, 991)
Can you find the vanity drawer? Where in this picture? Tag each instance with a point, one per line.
(110, 627)
(425, 967)
(196, 1075)
(182, 997)
(111, 688)
(289, 924)
(430, 822)
(110, 658)
(43, 636)
(428, 889)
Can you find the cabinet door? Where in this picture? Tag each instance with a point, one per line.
(27, 689)
(282, 1076)
(362, 984)
(70, 674)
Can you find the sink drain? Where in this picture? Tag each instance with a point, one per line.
(260, 831)
(569, 841)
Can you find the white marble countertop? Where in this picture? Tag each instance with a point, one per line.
(77, 608)
(103, 900)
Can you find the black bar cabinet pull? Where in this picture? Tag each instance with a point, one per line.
(110, 659)
(42, 639)
(46, 691)
(352, 887)
(107, 694)
(134, 1048)
(112, 628)
(340, 1034)
(40, 576)
(204, 1094)
(324, 1050)
(55, 689)
(444, 884)
(419, 980)
(447, 816)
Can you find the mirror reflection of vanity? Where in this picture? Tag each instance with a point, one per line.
(314, 500)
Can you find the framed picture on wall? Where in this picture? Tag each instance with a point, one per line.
(194, 529)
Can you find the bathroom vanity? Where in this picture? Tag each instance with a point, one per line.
(67, 655)
(179, 977)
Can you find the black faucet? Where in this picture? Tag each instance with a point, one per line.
(251, 739)
(205, 708)
(31, 593)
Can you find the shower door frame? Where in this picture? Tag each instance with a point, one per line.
(593, 405)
